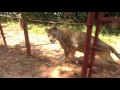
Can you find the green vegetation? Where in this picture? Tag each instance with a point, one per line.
(58, 16)
(63, 17)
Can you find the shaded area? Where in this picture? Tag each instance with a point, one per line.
(18, 65)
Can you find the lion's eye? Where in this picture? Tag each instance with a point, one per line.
(48, 35)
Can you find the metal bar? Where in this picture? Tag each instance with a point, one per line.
(111, 19)
(94, 45)
(24, 25)
(90, 21)
(3, 35)
(93, 51)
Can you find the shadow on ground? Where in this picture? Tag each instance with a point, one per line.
(45, 62)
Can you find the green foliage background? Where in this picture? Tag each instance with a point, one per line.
(76, 17)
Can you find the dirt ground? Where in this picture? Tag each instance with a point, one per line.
(14, 64)
(45, 61)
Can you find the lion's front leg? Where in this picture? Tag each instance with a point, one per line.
(68, 55)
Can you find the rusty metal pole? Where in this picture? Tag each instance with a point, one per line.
(24, 25)
(3, 35)
(94, 45)
(90, 21)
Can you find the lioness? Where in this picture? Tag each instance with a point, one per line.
(72, 41)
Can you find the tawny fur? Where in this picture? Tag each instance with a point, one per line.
(72, 41)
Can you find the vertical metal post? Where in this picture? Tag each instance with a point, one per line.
(94, 45)
(90, 21)
(3, 35)
(24, 25)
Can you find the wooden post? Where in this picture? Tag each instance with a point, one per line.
(24, 25)
(3, 35)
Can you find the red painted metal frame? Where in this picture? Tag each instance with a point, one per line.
(94, 45)
(90, 21)
(91, 56)
(111, 19)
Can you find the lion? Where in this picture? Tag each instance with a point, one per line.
(72, 41)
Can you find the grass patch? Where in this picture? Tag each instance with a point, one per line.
(37, 28)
